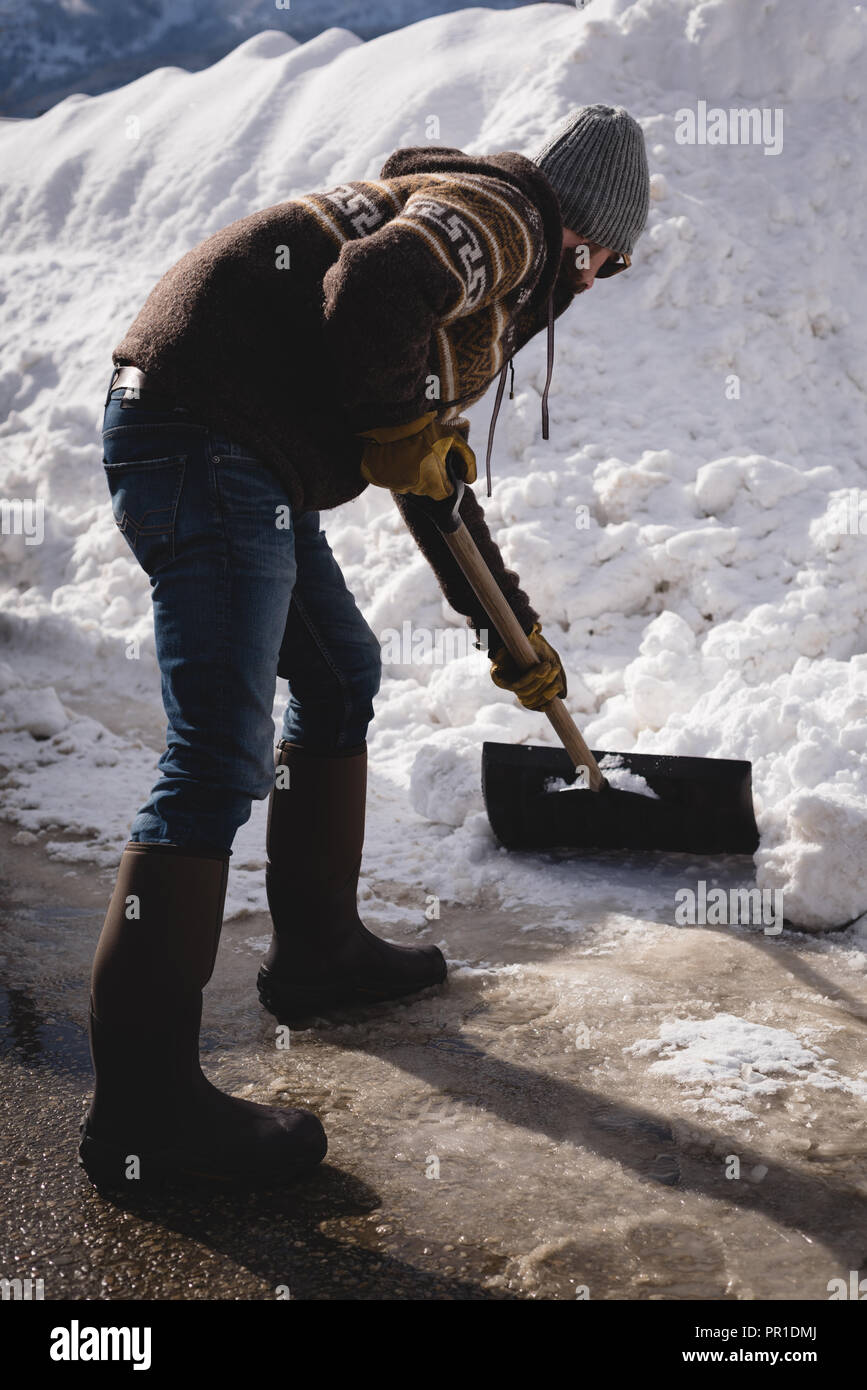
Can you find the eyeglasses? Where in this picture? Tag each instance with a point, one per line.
(613, 266)
(615, 263)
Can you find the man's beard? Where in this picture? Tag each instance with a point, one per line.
(572, 275)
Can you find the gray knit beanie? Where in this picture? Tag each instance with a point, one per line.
(597, 164)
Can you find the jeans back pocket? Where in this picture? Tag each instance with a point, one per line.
(144, 499)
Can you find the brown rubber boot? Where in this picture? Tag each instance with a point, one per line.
(321, 955)
(154, 1114)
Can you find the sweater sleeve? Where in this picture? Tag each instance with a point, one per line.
(458, 244)
(451, 578)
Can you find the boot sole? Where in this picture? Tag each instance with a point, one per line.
(103, 1164)
(296, 1005)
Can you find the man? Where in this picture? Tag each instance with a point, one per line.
(276, 370)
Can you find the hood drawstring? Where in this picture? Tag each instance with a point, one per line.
(499, 396)
(550, 364)
(502, 382)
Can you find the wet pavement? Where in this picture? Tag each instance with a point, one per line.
(491, 1141)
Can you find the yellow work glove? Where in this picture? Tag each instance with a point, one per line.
(412, 458)
(539, 685)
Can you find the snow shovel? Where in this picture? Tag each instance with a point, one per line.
(696, 805)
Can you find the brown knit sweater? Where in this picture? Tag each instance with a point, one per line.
(365, 304)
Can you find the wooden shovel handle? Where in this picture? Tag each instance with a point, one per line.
(488, 592)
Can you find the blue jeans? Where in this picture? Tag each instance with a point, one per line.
(243, 590)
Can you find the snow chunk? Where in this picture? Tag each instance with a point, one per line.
(36, 712)
(444, 787)
(622, 779)
(716, 485)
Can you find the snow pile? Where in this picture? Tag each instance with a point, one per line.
(84, 757)
(54, 47)
(686, 533)
(724, 1062)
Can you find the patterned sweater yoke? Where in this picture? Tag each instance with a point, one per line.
(486, 235)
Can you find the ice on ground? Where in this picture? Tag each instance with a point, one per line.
(694, 532)
(725, 1061)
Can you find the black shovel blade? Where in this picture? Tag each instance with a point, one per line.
(705, 805)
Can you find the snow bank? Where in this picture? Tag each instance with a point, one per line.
(687, 531)
(54, 47)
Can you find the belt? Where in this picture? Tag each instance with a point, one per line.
(141, 389)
